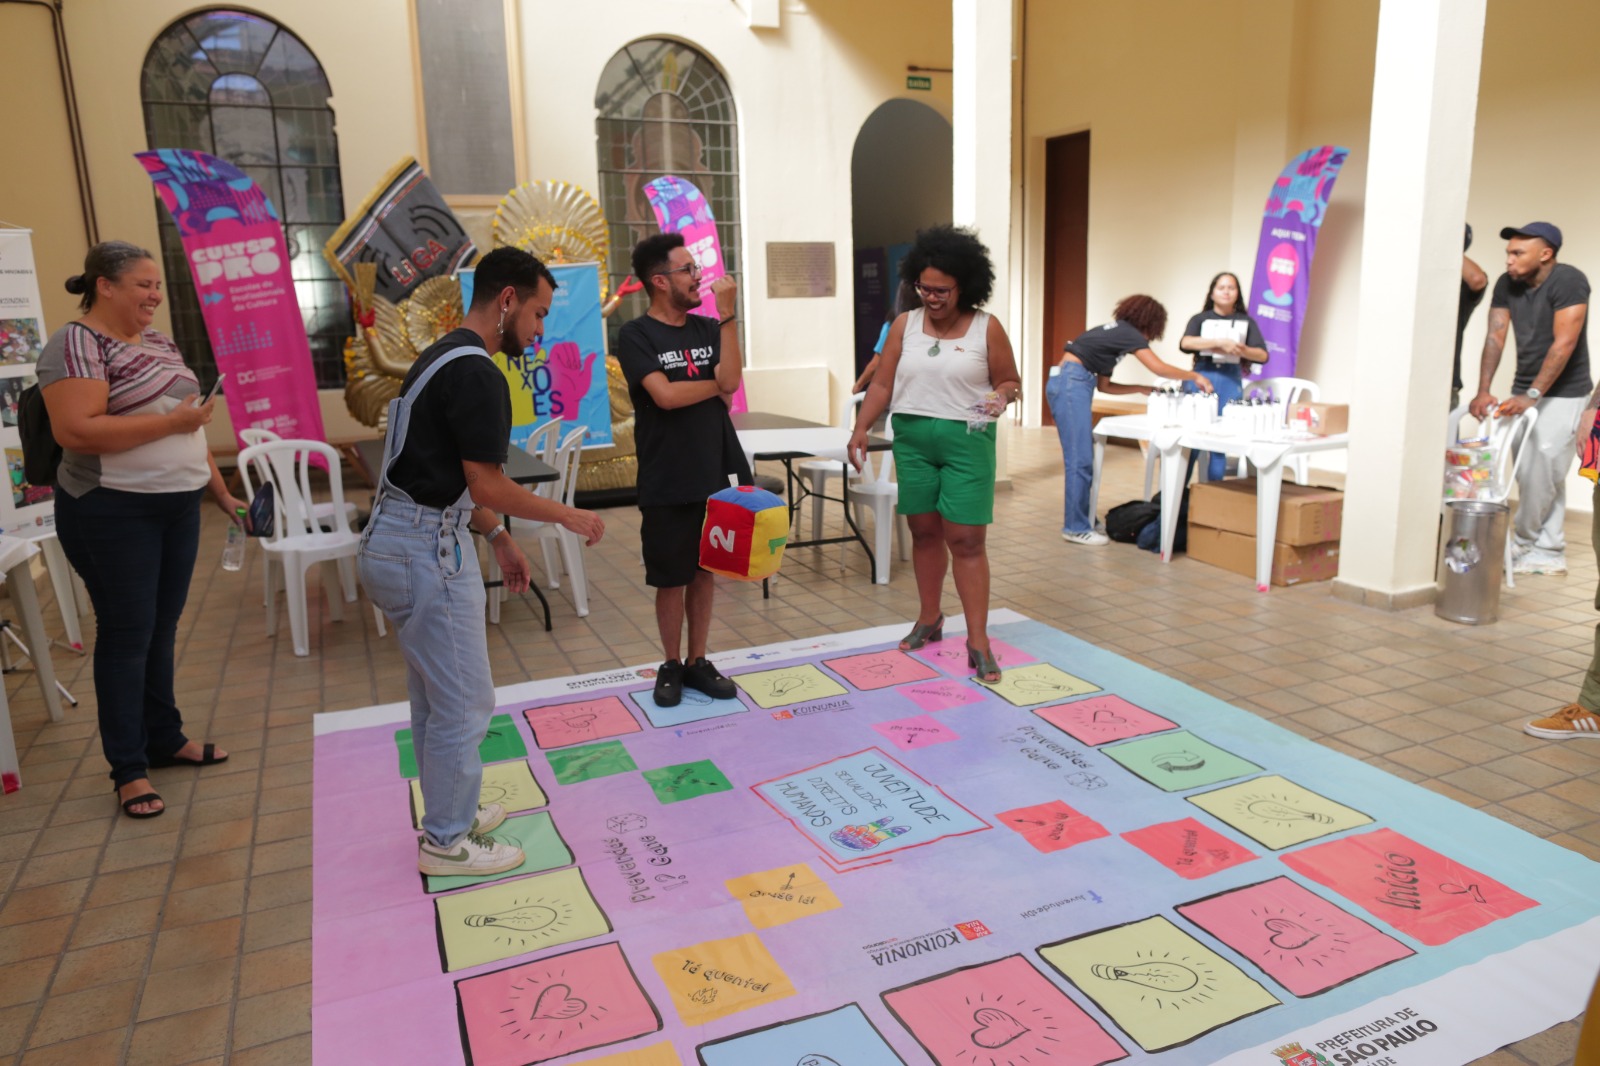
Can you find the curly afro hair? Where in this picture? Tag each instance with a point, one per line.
(1143, 313)
(955, 251)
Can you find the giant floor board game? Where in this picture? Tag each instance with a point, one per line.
(870, 859)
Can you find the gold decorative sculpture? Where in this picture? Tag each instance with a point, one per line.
(554, 220)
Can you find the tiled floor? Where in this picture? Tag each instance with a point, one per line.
(185, 938)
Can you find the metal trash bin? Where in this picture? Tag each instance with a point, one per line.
(1472, 566)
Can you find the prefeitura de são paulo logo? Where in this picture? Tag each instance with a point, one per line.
(1295, 1055)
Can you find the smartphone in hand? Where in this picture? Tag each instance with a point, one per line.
(216, 387)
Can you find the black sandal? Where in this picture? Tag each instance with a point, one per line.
(208, 757)
(921, 635)
(146, 797)
(985, 663)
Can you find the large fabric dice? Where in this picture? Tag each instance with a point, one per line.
(744, 533)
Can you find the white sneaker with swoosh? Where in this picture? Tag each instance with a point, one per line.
(474, 856)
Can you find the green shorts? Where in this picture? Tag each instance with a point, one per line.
(941, 467)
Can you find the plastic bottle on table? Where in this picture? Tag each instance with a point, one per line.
(233, 550)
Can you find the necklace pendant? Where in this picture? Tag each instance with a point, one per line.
(934, 349)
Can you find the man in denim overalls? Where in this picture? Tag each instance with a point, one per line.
(442, 474)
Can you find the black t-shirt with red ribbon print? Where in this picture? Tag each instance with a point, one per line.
(686, 453)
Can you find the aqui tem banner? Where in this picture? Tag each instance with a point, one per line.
(681, 208)
(1289, 226)
(563, 377)
(240, 263)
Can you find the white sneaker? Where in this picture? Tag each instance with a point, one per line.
(1091, 538)
(1531, 564)
(474, 856)
(490, 815)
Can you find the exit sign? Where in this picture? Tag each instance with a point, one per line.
(914, 82)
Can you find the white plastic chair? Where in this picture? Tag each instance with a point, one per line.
(1507, 436)
(323, 513)
(1291, 391)
(542, 444)
(298, 542)
(880, 491)
(554, 537)
(818, 471)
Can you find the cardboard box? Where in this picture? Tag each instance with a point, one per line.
(1306, 515)
(1320, 419)
(1291, 564)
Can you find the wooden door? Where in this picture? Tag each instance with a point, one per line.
(1066, 247)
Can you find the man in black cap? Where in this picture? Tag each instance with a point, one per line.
(1547, 305)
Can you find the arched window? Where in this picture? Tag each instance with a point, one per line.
(244, 89)
(664, 108)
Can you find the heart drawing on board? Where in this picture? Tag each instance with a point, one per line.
(995, 1028)
(579, 721)
(558, 1003)
(1108, 718)
(1287, 935)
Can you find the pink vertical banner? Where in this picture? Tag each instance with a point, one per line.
(1289, 227)
(682, 208)
(240, 262)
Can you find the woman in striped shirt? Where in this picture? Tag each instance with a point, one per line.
(128, 415)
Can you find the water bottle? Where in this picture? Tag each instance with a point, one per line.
(233, 550)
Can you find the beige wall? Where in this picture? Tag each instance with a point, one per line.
(364, 47)
(38, 184)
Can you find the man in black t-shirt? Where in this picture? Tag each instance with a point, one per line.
(1546, 304)
(682, 371)
(447, 440)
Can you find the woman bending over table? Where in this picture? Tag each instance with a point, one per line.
(1086, 364)
(946, 373)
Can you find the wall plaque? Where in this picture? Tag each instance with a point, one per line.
(800, 268)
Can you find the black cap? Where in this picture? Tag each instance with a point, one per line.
(1543, 230)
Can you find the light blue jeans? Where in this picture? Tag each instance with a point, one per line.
(1071, 397)
(1228, 381)
(419, 566)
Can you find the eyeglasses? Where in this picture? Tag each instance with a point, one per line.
(936, 291)
(689, 268)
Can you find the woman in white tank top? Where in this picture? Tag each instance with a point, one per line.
(946, 373)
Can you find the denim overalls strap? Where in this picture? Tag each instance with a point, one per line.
(400, 420)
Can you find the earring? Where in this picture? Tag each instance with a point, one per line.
(502, 326)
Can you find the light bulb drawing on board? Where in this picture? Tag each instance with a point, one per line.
(528, 922)
(526, 919)
(1272, 810)
(1157, 975)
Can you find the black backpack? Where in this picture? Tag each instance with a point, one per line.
(41, 455)
(1124, 521)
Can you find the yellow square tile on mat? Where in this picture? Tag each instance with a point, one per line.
(788, 685)
(1036, 683)
(775, 897)
(509, 784)
(717, 978)
(499, 921)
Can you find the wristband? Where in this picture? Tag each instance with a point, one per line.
(730, 318)
(493, 533)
